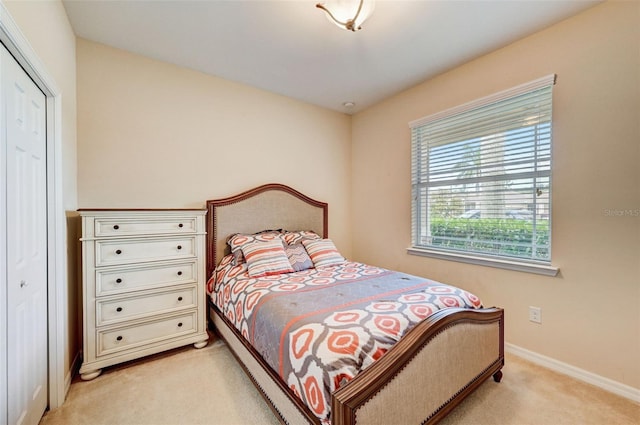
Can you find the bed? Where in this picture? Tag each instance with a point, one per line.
(436, 361)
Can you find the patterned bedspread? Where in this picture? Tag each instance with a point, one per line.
(319, 327)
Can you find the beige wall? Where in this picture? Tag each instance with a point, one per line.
(154, 135)
(590, 312)
(46, 27)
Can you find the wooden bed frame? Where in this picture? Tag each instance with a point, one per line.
(441, 360)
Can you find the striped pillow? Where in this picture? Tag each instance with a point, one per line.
(266, 258)
(323, 252)
(237, 240)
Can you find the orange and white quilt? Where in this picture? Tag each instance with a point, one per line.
(318, 328)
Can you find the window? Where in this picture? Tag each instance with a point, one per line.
(481, 178)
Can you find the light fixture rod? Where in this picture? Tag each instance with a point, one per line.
(350, 23)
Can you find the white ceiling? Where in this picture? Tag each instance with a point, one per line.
(289, 47)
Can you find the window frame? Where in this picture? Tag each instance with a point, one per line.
(487, 259)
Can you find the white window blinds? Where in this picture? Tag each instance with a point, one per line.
(481, 175)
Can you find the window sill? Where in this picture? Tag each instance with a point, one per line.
(521, 266)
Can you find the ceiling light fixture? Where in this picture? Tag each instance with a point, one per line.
(347, 14)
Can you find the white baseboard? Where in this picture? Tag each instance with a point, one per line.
(607, 384)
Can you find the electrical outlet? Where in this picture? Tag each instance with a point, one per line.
(535, 314)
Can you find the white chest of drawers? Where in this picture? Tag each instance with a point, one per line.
(143, 284)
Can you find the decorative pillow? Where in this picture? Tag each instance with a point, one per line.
(298, 257)
(297, 237)
(323, 252)
(237, 240)
(266, 258)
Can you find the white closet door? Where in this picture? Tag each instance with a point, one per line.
(26, 244)
(3, 252)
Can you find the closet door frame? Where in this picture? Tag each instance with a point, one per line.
(17, 44)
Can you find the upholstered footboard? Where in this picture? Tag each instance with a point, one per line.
(424, 376)
(428, 372)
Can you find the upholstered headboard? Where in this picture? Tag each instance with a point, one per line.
(271, 206)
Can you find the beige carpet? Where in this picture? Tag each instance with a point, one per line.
(207, 386)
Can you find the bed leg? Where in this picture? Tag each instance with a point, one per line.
(497, 376)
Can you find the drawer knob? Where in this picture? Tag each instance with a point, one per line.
(118, 251)
(119, 338)
(180, 324)
(179, 246)
(119, 309)
(180, 225)
(179, 273)
(179, 298)
(116, 227)
(118, 280)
